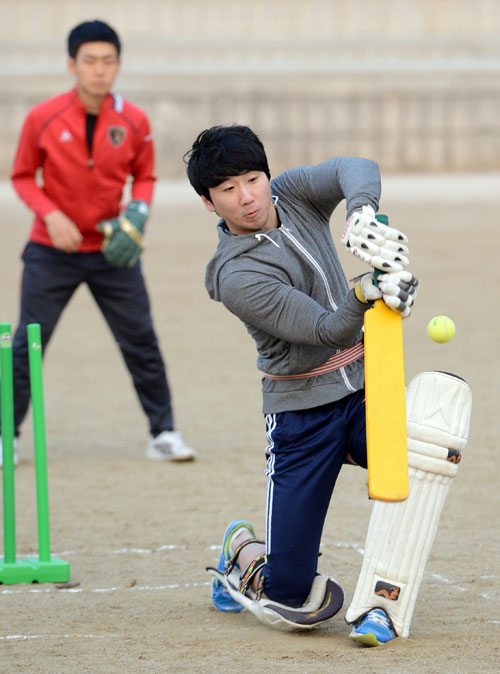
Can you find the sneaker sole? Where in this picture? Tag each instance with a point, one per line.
(366, 639)
(161, 457)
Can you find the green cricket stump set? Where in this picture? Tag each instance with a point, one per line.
(44, 569)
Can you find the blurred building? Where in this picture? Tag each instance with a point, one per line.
(414, 84)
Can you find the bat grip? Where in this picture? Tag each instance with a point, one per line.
(384, 220)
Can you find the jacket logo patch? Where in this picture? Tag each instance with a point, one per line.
(65, 136)
(116, 135)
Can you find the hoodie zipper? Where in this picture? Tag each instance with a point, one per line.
(318, 268)
(315, 264)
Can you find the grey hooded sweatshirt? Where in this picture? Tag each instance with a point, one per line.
(289, 289)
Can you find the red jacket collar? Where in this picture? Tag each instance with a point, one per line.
(107, 103)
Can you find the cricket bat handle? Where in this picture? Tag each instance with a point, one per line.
(384, 220)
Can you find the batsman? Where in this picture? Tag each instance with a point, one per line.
(277, 269)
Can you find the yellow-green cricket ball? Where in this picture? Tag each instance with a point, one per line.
(441, 329)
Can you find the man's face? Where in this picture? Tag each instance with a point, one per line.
(95, 68)
(244, 202)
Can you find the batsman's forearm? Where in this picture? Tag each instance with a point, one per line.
(340, 328)
(292, 316)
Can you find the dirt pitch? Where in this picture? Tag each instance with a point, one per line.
(138, 535)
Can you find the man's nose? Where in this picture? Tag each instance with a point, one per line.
(246, 195)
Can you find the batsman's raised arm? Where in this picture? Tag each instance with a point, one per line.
(326, 184)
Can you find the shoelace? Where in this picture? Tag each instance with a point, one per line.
(379, 617)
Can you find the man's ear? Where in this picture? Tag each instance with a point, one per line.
(208, 204)
(71, 65)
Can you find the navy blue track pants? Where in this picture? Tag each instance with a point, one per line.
(305, 453)
(49, 280)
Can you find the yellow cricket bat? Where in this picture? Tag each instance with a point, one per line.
(386, 437)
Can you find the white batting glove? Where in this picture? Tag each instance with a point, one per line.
(365, 289)
(399, 290)
(380, 246)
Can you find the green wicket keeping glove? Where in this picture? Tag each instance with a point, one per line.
(122, 245)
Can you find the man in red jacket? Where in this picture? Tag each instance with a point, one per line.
(87, 142)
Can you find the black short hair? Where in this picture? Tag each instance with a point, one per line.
(92, 31)
(222, 152)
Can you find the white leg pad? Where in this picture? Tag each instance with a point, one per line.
(400, 535)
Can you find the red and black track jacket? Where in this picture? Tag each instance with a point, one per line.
(86, 186)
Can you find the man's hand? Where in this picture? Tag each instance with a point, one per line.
(378, 245)
(64, 233)
(365, 288)
(399, 291)
(122, 245)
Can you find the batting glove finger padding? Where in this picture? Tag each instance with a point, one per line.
(399, 290)
(379, 245)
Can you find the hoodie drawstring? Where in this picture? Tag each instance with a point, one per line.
(260, 235)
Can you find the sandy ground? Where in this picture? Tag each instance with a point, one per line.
(138, 535)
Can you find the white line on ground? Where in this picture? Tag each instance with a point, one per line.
(351, 546)
(78, 590)
(25, 637)
(119, 551)
(152, 588)
(446, 581)
(495, 595)
(146, 551)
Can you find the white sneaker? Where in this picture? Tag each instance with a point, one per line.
(169, 446)
(16, 455)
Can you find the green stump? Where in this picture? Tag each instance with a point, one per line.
(45, 569)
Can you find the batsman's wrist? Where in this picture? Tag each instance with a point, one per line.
(359, 294)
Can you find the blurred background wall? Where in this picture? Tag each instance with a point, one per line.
(414, 84)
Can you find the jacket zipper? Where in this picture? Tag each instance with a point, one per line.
(317, 266)
(90, 161)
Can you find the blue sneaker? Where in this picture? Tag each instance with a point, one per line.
(221, 598)
(373, 629)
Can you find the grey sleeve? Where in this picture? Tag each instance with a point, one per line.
(280, 310)
(325, 185)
